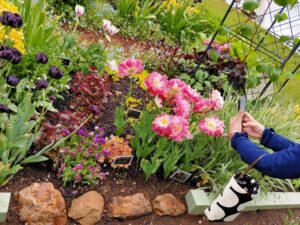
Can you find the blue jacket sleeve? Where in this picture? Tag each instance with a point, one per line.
(283, 164)
(274, 141)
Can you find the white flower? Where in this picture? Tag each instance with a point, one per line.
(106, 24)
(158, 102)
(109, 28)
(113, 65)
(79, 10)
(113, 30)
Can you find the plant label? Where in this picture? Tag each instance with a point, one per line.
(122, 160)
(134, 113)
(4, 205)
(242, 104)
(181, 176)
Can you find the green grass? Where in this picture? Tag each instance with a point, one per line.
(218, 8)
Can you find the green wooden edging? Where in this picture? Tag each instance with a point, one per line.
(198, 200)
(4, 205)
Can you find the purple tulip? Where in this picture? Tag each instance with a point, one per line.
(11, 19)
(55, 73)
(12, 81)
(95, 109)
(4, 109)
(41, 84)
(10, 54)
(41, 58)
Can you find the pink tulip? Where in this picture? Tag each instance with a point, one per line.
(182, 107)
(160, 124)
(174, 88)
(130, 67)
(191, 94)
(156, 84)
(217, 100)
(203, 105)
(212, 126)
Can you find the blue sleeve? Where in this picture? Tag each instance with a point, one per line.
(283, 164)
(274, 141)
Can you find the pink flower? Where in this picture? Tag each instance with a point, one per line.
(156, 84)
(217, 100)
(179, 129)
(160, 124)
(79, 10)
(130, 67)
(204, 105)
(109, 28)
(78, 167)
(191, 94)
(222, 48)
(212, 126)
(182, 107)
(175, 87)
(158, 101)
(106, 24)
(78, 178)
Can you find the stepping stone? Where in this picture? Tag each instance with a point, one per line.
(4, 205)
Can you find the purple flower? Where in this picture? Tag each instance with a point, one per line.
(78, 167)
(79, 150)
(82, 132)
(78, 178)
(97, 156)
(12, 80)
(98, 139)
(11, 19)
(65, 132)
(55, 73)
(63, 167)
(41, 84)
(52, 98)
(92, 169)
(4, 109)
(105, 152)
(95, 109)
(102, 175)
(41, 58)
(10, 54)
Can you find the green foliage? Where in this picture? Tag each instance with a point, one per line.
(250, 5)
(120, 122)
(286, 2)
(247, 30)
(16, 138)
(280, 17)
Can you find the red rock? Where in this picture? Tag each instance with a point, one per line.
(168, 205)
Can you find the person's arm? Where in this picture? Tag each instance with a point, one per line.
(283, 164)
(275, 141)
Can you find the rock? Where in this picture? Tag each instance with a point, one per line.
(130, 206)
(168, 205)
(87, 209)
(42, 204)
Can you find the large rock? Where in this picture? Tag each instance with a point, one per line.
(168, 205)
(129, 206)
(42, 204)
(87, 209)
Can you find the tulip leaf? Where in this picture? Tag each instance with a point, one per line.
(250, 5)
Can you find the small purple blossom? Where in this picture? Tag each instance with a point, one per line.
(78, 178)
(98, 139)
(82, 132)
(65, 132)
(41, 58)
(92, 169)
(52, 98)
(102, 175)
(4, 109)
(78, 167)
(95, 109)
(79, 150)
(97, 156)
(12, 81)
(63, 167)
(73, 154)
(41, 84)
(55, 73)
(105, 152)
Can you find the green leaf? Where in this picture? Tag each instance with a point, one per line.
(34, 159)
(214, 55)
(284, 38)
(247, 30)
(223, 31)
(150, 168)
(250, 5)
(262, 68)
(281, 17)
(282, 2)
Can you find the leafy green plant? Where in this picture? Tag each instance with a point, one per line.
(16, 137)
(120, 122)
(126, 8)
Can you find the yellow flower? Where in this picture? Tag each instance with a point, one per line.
(14, 35)
(141, 79)
(132, 102)
(297, 109)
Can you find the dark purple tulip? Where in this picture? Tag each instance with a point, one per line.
(52, 98)
(10, 54)
(41, 84)
(41, 58)
(4, 109)
(12, 80)
(16, 58)
(55, 73)
(11, 19)
(95, 109)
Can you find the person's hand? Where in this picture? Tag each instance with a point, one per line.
(235, 124)
(253, 128)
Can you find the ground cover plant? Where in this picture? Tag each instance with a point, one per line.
(116, 96)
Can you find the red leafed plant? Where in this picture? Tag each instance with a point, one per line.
(88, 90)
